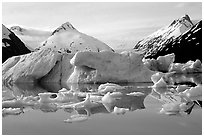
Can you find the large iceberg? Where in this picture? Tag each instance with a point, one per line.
(43, 65)
(107, 66)
(84, 67)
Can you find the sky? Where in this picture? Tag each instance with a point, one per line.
(118, 24)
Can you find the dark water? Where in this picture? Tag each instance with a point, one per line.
(144, 117)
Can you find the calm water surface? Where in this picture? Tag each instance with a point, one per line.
(144, 116)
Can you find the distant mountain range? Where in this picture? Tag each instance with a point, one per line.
(66, 38)
(11, 45)
(182, 37)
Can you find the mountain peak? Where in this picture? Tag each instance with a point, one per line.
(185, 20)
(64, 27)
(186, 17)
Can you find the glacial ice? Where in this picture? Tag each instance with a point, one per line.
(76, 118)
(189, 67)
(45, 66)
(106, 66)
(48, 65)
(162, 63)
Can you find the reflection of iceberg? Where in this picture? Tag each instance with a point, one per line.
(25, 89)
(123, 101)
(70, 101)
(119, 100)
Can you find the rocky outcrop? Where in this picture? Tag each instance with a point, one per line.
(186, 45)
(11, 45)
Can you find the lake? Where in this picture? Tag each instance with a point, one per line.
(140, 113)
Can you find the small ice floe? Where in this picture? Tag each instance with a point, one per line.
(109, 98)
(109, 87)
(162, 63)
(189, 67)
(181, 88)
(76, 118)
(194, 93)
(61, 97)
(120, 111)
(17, 103)
(63, 90)
(11, 111)
(160, 83)
(178, 108)
(156, 77)
(45, 98)
(135, 94)
(7, 95)
(87, 103)
(170, 109)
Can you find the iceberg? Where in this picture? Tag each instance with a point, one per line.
(107, 66)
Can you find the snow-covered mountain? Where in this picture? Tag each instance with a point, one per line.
(161, 42)
(68, 39)
(175, 29)
(11, 45)
(31, 37)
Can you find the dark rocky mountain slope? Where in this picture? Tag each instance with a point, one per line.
(11, 45)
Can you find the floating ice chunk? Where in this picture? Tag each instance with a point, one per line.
(16, 103)
(136, 94)
(160, 83)
(11, 111)
(185, 106)
(162, 63)
(87, 103)
(63, 90)
(120, 111)
(7, 95)
(194, 93)
(109, 87)
(189, 67)
(181, 88)
(76, 118)
(156, 77)
(165, 61)
(109, 98)
(170, 109)
(45, 98)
